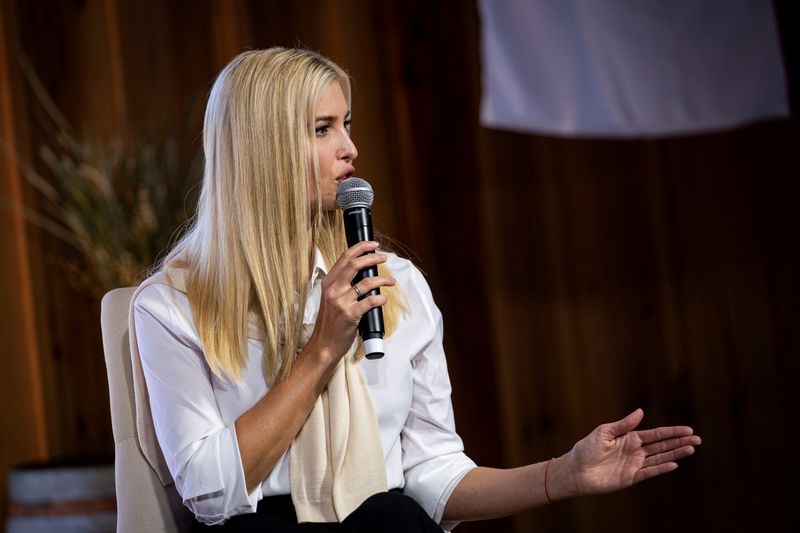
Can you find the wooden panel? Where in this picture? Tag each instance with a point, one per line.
(73, 368)
(23, 416)
(610, 266)
(659, 279)
(167, 56)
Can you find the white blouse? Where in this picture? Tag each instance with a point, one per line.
(194, 412)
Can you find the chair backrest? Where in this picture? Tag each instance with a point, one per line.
(143, 503)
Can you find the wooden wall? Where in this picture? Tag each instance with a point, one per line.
(579, 279)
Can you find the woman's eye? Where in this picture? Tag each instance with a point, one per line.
(347, 124)
(322, 130)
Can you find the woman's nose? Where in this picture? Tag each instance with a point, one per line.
(348, 150)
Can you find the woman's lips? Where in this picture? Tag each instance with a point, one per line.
(346, 175)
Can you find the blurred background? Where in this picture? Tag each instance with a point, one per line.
(581, 273)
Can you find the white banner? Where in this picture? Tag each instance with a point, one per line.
(629, 67)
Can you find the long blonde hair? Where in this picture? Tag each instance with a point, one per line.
(246, 253)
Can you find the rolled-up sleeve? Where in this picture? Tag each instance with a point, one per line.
(201, 451)
(434, 461)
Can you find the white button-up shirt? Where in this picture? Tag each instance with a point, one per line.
(194, 412)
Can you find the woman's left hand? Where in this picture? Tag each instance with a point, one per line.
(614, 456)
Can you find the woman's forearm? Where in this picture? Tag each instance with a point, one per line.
(612, 457)
(493, 492)
(268, 428)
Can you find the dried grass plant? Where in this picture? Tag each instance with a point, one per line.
(116, 203)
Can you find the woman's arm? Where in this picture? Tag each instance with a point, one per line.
(266, 430)
(612, 457)
(493, 492)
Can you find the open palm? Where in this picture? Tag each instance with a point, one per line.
(614, 456)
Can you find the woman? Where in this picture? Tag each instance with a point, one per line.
(265, 411)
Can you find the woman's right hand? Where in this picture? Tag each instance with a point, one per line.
(340, 310)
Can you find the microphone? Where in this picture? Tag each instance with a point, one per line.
(354, 197)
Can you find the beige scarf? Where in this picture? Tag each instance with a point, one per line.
(336, 461)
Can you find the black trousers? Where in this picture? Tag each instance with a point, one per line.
(390, 512)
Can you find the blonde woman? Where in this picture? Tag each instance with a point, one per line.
(266, 415)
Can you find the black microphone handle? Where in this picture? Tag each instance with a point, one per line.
(358, 228)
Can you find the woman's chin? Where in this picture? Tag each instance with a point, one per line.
(329, 204)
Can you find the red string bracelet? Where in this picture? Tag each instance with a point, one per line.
(546, 468)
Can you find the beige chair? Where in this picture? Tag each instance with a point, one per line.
(143, 503)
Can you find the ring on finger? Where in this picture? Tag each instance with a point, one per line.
(359, 294)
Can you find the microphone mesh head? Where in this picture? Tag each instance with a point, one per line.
(354, 192)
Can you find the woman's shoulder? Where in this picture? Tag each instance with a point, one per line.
(157, 304)
(396, 262)
(158, 296)
(403, 270)
(411, 281)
